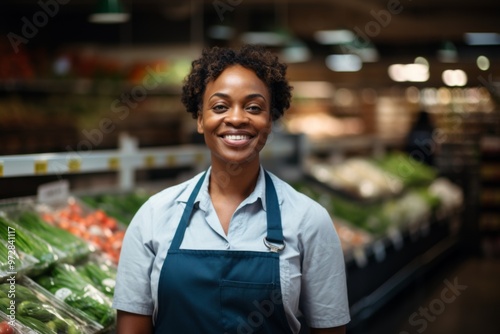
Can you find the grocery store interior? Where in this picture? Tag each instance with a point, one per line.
(394, 128)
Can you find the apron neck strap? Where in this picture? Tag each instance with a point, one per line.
(274, 228)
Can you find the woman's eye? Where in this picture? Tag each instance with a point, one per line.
(254, 109)
(219, 108)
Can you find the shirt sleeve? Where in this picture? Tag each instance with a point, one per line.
(133, 289)
(323, 297)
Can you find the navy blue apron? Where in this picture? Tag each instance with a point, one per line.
(219, 291)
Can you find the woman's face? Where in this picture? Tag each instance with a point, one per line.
(236, 117)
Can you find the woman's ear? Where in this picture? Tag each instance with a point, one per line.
(199, 122)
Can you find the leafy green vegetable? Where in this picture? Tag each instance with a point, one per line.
(70, 244)
(65, 282)
(29, 243)
(119, 206)
(36, 313)
(102, 276)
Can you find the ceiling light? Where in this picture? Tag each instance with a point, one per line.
(409, 72)
(483, 63)
(454, 78)
(296, 52)
(220, 32)
(344, 63)
(482, 38)
(109, 11)
(329, 37)
(265, 38)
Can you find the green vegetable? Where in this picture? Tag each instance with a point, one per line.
(101, 276)
(78, 293)
(38, 314)
(35, 324)
(28, 243)
(36, 310)
(119, 206)
(61, 239)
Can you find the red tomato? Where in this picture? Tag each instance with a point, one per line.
(5, 328)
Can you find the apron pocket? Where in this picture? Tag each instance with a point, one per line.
(247, 306)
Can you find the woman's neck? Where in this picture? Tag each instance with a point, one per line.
(233, 180)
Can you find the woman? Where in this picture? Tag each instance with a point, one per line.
(234, 249)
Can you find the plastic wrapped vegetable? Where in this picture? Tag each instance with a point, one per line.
(68, 285)
(34, 310)
(101, 274)
(73, 246)
(29, 243)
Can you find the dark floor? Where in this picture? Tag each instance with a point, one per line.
(462, 296)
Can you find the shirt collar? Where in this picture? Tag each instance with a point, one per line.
(203, 197)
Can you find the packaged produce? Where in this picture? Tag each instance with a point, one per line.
(95, 226)
(9, 325)
(37, 310)
(101, 273)
(12, 260)
(67, 284)
(28, 243)
(72, 246)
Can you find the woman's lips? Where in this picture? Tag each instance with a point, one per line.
(236, 139)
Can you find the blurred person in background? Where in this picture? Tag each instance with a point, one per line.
(419, 143)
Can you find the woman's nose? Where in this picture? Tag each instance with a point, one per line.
(236, 116)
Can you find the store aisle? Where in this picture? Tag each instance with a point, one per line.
(460, 297)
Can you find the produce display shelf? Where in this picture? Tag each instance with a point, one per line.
(403, 262)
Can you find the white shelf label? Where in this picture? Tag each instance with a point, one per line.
(53, 192)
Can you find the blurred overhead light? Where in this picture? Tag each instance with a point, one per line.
(296, 52)
(329, 37)
(220, 32)
(109, 11)
(344, 63)
(409, 72)
(454, 78)
(265, 38)
(483, 63)
(482, 38)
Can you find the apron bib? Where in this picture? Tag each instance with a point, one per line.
(219, 291)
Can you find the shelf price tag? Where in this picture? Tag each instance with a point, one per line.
(40, 167)
(74, 165)
(113, 163)
(171, 160)
(53, 192)
(149, 161)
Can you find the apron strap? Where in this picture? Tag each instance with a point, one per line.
(274, 228)
(186, 215)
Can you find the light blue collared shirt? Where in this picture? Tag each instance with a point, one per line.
(312, 267)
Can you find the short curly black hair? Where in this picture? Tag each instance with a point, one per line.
(215, 60)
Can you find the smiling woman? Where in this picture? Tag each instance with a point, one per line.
(234, 249)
